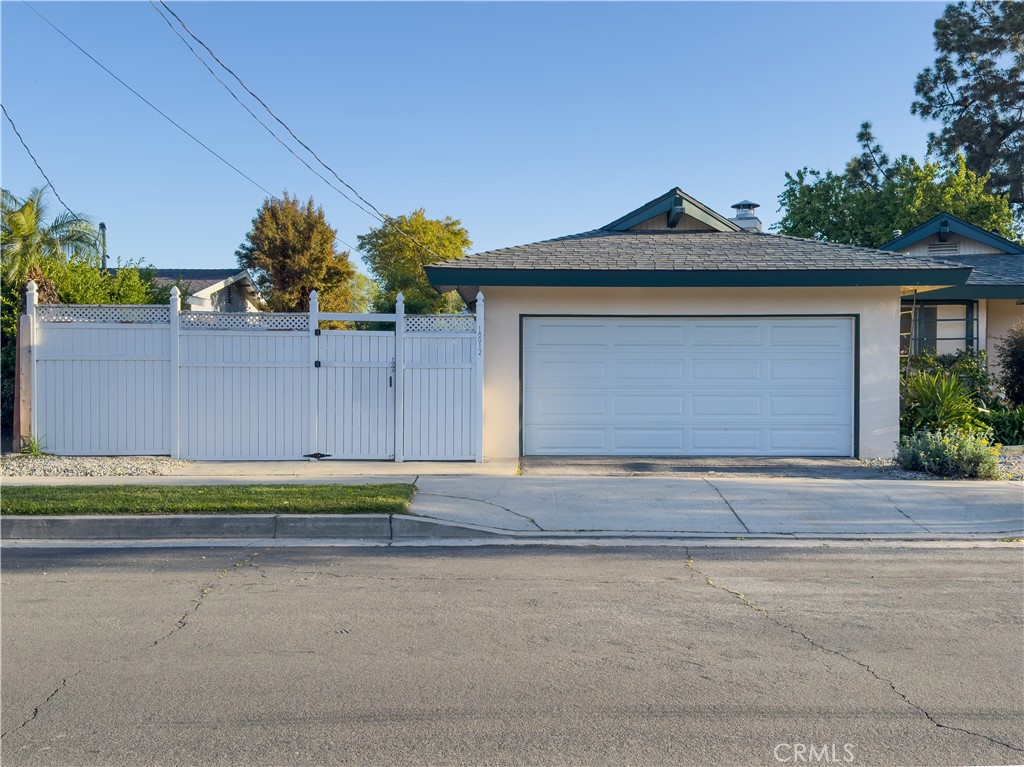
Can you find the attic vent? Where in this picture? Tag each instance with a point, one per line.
(944, 249)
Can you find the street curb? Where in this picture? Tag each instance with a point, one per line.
(359, 527)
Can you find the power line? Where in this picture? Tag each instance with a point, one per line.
(253, 114)
(159, 112)
(145, 100)
(387, 220)
(38, 166)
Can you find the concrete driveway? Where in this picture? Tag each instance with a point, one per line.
(735, 507)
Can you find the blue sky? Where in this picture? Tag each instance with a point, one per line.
(524, 120)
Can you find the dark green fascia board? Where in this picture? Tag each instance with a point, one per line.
(445, 279)
(976, 292)
(957, 226)
(665, 204)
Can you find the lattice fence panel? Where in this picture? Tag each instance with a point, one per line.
(440, 323)
(243, 321)
(144, 314)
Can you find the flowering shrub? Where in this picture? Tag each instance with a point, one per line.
(954, 452)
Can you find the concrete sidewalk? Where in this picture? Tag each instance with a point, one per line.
(726, 507)
(489, 500)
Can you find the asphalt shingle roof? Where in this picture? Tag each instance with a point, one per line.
(994, 269)
(196, 279)
(688, 251)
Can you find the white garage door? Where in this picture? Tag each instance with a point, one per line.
(675, 386)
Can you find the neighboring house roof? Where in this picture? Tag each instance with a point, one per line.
(199, 279)
(993, 275)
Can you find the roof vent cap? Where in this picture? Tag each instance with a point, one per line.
(745, 218)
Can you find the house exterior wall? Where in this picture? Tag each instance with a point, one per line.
(1000, 316)
(232, 298)
(878, 309)
(659, 223)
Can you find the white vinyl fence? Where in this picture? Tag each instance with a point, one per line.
(153, 380)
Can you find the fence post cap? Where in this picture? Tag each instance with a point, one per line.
(175, 292)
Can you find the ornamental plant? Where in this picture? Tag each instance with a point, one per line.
(938, 400)
(954, 452)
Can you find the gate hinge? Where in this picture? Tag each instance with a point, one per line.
(316, 364)
(316, 332)
(318, 456)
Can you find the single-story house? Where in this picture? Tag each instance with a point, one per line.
(969, 316)
(214, 290)
(674, 330)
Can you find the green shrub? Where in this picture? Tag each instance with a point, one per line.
(1010, 356)
(1007, 426)
(957, 453)
(933, 401)
(971, 367)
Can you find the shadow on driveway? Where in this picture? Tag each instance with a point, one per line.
(644, 466)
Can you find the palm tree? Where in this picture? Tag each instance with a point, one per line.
(27, 242)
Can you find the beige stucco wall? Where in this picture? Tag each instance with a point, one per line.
(1000, 316)
(879, 342)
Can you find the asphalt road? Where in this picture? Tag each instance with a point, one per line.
(513, 656)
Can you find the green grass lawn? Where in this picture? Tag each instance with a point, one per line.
(207, 499)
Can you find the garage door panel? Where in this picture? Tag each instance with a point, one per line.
(807, 440)
(817, 369)
(630, 440)
(631, 405)
(726, 334)
(805, 406)
(638, 337)
(725, 371)
(719, 405)
(721, 441)
(648, 370)
(752, 386)
(829, 336)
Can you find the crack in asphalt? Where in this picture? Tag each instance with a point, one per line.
(531, 520)
(204, 592)
(748, 603)
(726, 501)
(178, 626)
(37, 709)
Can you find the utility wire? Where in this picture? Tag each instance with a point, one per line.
(386, 219)
(145, 100)
(38, 166)
(253, 114)
(155, 109)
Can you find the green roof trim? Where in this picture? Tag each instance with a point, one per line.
(665, 204)
(1012, 292)
(445, 279)
(956, 225)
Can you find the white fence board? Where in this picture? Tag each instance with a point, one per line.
(138, 380)
(102, 390)
(245, 395)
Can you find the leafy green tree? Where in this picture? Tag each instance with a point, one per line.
(875, 195)
(975, 89)
(364, 290)
(397, 252)
(291, 251)
(62, 256)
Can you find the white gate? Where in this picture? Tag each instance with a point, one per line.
(150, 380)
(356, 394)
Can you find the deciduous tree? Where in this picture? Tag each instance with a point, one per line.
(875, 195)
(396, 253)
(291, 251)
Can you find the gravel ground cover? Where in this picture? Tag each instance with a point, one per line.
(17, 465)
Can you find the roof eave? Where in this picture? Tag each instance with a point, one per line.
(957, 226)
